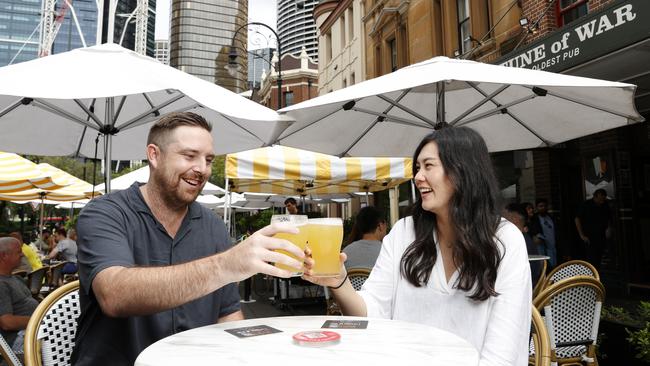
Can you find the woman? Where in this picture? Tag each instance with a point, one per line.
(455, 264)
(364, 242)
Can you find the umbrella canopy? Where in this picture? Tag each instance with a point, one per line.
(77, 190)
(284, 170)
(65, 101)
(19, 174)
(512, 108)
(142, 176)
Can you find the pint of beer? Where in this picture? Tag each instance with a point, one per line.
(324, 239)
(299, 240)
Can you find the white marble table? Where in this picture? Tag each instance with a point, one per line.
(383, 342)
(537, 257)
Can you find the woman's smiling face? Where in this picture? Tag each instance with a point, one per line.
(431, 180)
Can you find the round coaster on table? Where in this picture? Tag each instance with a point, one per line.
(316, 338)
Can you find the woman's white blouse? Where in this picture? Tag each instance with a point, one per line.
(497, 327)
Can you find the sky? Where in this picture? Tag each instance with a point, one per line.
(263, 11)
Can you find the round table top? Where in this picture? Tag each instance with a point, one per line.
(537, 257)
(385, 341)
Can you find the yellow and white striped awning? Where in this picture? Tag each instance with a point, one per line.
(19, 174)
(289, 171)
(77, 189)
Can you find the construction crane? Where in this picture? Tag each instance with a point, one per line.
(52, 20)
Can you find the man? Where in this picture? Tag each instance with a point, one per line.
(43, 243)
(291, 205)
(543, 231)
(16, 301)
(517, 214)
(153, 262)
(592, 222)
(67, 248)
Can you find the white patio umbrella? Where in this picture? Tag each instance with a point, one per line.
(60, 104)
(511, 108)
(142, 176)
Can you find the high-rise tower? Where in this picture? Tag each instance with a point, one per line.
(200, 38)
(296, 27)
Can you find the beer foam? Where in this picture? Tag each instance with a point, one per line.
(333, 221)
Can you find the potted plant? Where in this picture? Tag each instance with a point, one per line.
(625, 336)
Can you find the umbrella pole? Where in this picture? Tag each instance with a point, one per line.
(108, 124)
(227, 205)
(40, 225)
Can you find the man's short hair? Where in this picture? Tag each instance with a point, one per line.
(7, 242)
(291, 200)
(160, 132)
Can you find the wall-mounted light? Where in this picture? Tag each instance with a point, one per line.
(523, 22)
(456, 53)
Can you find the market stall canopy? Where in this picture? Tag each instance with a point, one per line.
(512, 108)
(77, 190)
(289, 171)
(20, 174)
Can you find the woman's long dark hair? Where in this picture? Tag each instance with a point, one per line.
(474, 210)
(366, 221)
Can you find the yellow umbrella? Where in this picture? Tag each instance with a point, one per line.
(77, 189)
(19, 174)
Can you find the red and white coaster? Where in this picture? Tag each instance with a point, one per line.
(316, 338)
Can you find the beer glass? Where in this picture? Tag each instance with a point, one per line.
(324, 237)
(299, 240)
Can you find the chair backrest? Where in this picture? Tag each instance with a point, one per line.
(358, 277)
(540, 341)
(571, 269)
(8, 354)
(35, 280)
(56, 275)
(571, 310)
(541, 280)
(50, 333)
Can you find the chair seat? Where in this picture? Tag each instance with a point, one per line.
(571, 351)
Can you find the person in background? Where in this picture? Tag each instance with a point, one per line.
(154, 262)
(292, 206)
(43, 242)
(517, 215)
(16, 301)
(455, 264)
(67, 249)
(593, 222)
(543, 230)
(364, 241)
(29, 261)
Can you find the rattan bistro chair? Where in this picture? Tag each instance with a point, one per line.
(51, 330)
(35, 281)
(541, 280)
(357, 277)
(570, 269)
(540, 343)
(8, 354)
(571, 310)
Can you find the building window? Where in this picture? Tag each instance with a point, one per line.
(352, 79)
(328, 47)
(351, 23)
(378, 70)
(288, 98)
(343, 23)
(464, 41)
(570, 10)
(392, 46)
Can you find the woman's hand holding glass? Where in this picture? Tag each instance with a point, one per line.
(329, 281)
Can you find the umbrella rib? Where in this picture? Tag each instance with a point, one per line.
(305, 126)
(119, 110)
(392, 104)
(486, 99)
(587, 104)
(90, 114)
(10, 108)
(146, 97)
(56, 110)
(147, 120)
(391, 118)
(406, 109)
(498, 109)
(150, 111)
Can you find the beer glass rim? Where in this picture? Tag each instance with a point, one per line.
(297, 220)
(326, 221)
